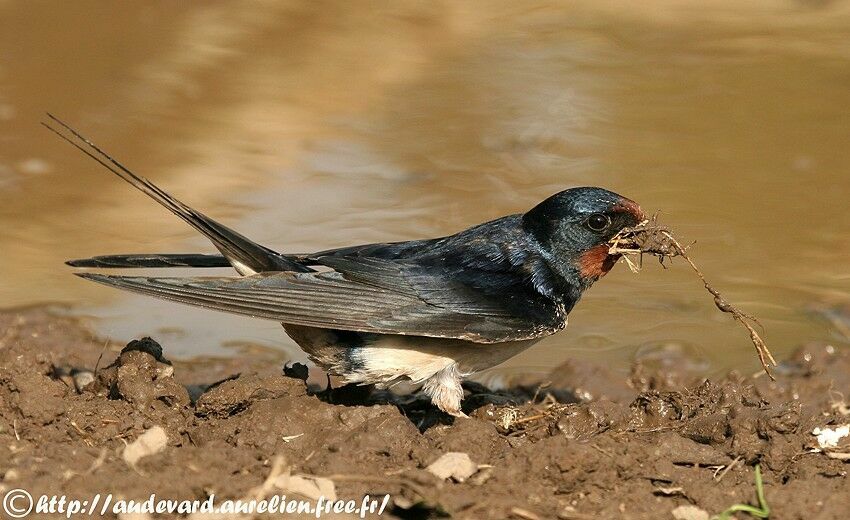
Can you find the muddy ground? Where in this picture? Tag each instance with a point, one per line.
(661, 443)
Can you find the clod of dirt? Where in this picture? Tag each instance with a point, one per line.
(650, 238)
(454, 465)
(151, 442)
(142, 377)
(234, 395)
(647, 237)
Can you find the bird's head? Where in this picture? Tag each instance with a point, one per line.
(573, 228)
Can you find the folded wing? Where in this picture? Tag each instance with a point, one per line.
(381, 298)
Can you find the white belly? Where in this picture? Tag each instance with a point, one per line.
(388, 359)
(414, 358)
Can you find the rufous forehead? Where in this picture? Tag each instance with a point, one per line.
(631, 207)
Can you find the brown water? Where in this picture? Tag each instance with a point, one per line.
(313, 125)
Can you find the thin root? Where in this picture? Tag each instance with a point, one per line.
(650, 238)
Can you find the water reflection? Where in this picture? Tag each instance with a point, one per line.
(310, 126)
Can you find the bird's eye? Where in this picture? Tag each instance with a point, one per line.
(598, 222)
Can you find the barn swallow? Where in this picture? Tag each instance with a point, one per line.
(427, 312)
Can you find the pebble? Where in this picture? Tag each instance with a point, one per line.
(455, 465)
(149, 443)
(689, 512)
(82, 379)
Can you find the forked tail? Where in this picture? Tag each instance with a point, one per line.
(246, 256)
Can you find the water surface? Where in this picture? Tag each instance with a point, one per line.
(315, 125)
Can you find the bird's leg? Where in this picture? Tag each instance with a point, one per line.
(445, 390)
(329, 390)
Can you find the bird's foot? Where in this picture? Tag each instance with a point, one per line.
(445, 390)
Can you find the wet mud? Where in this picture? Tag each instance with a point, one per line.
(585, 442)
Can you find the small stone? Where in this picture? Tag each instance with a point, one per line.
(455, 465)
(82, 379)
(149, 443)
(690, 512)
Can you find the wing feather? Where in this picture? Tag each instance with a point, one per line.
(333, 300)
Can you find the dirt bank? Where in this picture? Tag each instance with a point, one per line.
(591, 444)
